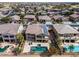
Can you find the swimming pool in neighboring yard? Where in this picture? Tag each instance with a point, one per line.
(38, 49)
(3, 49)
(75, 49)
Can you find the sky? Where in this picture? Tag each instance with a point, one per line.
(39, 0)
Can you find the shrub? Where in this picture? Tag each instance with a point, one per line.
(5, 19)
(17, 50)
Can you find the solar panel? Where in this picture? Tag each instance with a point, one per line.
(45, 29)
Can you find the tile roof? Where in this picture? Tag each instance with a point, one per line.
(15, 17)
(65, 29)
(44, 17)
(74, 15)
(30, 16)
(34, 29)
(57, 17)
(9, 28)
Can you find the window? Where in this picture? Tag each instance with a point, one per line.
(73, 41)
(7, 40)
(12, 41)
(31, 36)
(11, 36)
(67, 41)
(38, 40)
(6, 36)
(38, 36)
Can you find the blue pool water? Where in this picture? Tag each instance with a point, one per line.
(3, 49)
(76, 49)
(38, 49)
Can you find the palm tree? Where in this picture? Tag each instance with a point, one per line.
(20, 38)
(19, 48)
(71, 47)
(22, 18)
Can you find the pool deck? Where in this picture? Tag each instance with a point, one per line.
(67, 44)
(8, 51)
(27, 47)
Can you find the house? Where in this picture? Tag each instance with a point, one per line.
(75, 25)
(66, 33)
(37, 33)
(44, 18)
(5, 10)
(67, 22)
(29, 18)
(15, 19)
(59, 18)
(9, 31)
(74, 17)
(37, 37)
(55, 11)
(43, 13)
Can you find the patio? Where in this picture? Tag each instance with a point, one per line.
(28, 46)
(8, 51)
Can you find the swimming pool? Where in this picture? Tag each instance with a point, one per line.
(75, 49)
(38, 49)
(3, 49)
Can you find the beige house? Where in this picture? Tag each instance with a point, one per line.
(44, 18)
(15, 19)
(37, 33)
(59, 18)
(66, 33)
(36, 37)
(29, 18)
(74, 17)
(9, 31)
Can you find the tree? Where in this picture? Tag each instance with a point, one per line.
(17, 50)
(6, 19)
(1, 6)
(1, 39)
(61, 6)
(71, 47)
(59, 21)
(20, 38)
(35, 9)
(68, 13)
(59, 41)
(53, 50)
(22, 18)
